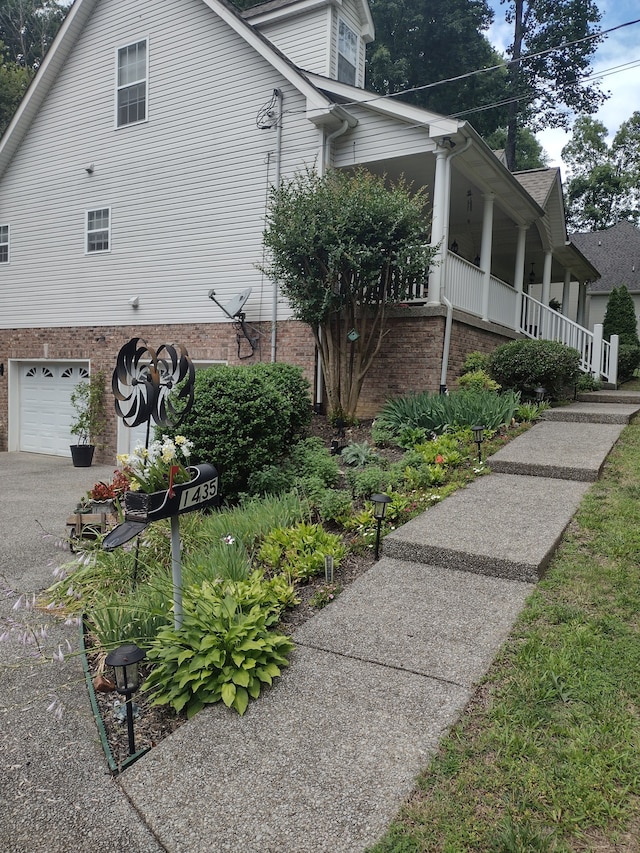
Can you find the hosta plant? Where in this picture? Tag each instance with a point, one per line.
(223, 651)
(299, 551)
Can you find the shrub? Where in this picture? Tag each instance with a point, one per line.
(295, 388)
(525, 365)
(628, 361)
(241, 421)
(310, 458)
(588, 382)
(476, 361)
(367, 481)
(335, 506)
(478, 380)
(223, 650)
(620, 317)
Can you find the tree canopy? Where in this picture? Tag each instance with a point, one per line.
(529, 153)
(342, 248)
(421, 42)
(550, 53)
(604, 180)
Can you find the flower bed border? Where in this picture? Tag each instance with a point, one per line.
(114, 767)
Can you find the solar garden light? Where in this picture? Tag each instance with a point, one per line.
(540, 392)
(379, 511)
(478, 437)
(328, 568)
(125, 660)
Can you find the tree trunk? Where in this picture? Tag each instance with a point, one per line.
(514, 82)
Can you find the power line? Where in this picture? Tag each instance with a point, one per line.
(506, 64)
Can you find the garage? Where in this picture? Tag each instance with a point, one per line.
(45, 411)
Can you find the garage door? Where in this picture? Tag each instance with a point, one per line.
(45, 405)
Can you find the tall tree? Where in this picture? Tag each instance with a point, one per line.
(28, 27)
(14, 80)
(604, 180)
(548, 62)
(343, 247)
(419, 42)
(529, 153)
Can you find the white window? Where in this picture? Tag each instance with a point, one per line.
(132, 84)
(347, 53)
(99, 230)
(4, 244)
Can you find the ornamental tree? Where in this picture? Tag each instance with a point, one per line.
(343, 247)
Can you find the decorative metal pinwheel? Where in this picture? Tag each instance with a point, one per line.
(143, 380)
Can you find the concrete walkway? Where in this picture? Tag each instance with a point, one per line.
(324, 759)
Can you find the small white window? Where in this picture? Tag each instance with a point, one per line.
(132, 84)
(4, 244)
(347, 54)
(99, 230)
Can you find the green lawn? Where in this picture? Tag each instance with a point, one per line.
(547, 756)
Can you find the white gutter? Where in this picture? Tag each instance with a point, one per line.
(274, 303)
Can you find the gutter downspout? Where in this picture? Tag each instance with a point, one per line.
(278, 164)
(325, 163)
(446, 345)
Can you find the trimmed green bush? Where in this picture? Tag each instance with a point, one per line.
(244, 418)
(628, 361)
(620, 317)
(476, 361)
(477, 380)
(525, 365)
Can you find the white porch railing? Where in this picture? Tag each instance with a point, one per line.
(464, 284)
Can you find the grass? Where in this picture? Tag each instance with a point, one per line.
(547, 755)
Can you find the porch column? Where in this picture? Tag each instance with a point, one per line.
(518, 273)
(582, 302)
(546, 278)
(439, 226)
(485, 251)
(566, 293)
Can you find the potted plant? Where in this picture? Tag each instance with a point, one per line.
(87, 398)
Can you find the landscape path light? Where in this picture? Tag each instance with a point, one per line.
(478, 437)
(540, 392)
(125, 660)
(328, 568)
(379, 511)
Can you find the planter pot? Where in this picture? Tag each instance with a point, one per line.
(82, 455)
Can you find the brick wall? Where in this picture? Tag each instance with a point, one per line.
(409, 359)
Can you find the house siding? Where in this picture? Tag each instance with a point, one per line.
(304, 39)
(181, 189)
(375, 137)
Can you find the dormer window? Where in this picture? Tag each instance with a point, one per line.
(347, 54)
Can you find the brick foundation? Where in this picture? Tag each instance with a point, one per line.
(410, 358)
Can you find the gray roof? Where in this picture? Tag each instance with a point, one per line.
(616, 254)
(538, 183)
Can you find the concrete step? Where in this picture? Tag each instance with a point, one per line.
(620, 396)
(559, 449)
(502, 525)
(593, 412)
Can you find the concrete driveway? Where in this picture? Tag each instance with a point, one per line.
(56, 793)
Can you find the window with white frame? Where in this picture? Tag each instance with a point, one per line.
(98, 230)
(4, 244)
(347, 54)
(132, 84)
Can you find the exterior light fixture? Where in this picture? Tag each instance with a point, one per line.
(532, 274)
(478, 437)
(328, 568)
(125, 660)
(454, 247)
(540, 392)
(379, 511)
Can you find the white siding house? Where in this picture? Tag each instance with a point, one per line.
(134, 179)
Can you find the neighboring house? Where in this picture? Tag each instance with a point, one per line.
(616, 254)
(134, 178)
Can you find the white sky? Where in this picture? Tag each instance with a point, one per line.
(621, 48)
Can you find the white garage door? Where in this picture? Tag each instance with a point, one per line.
(45, 406)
